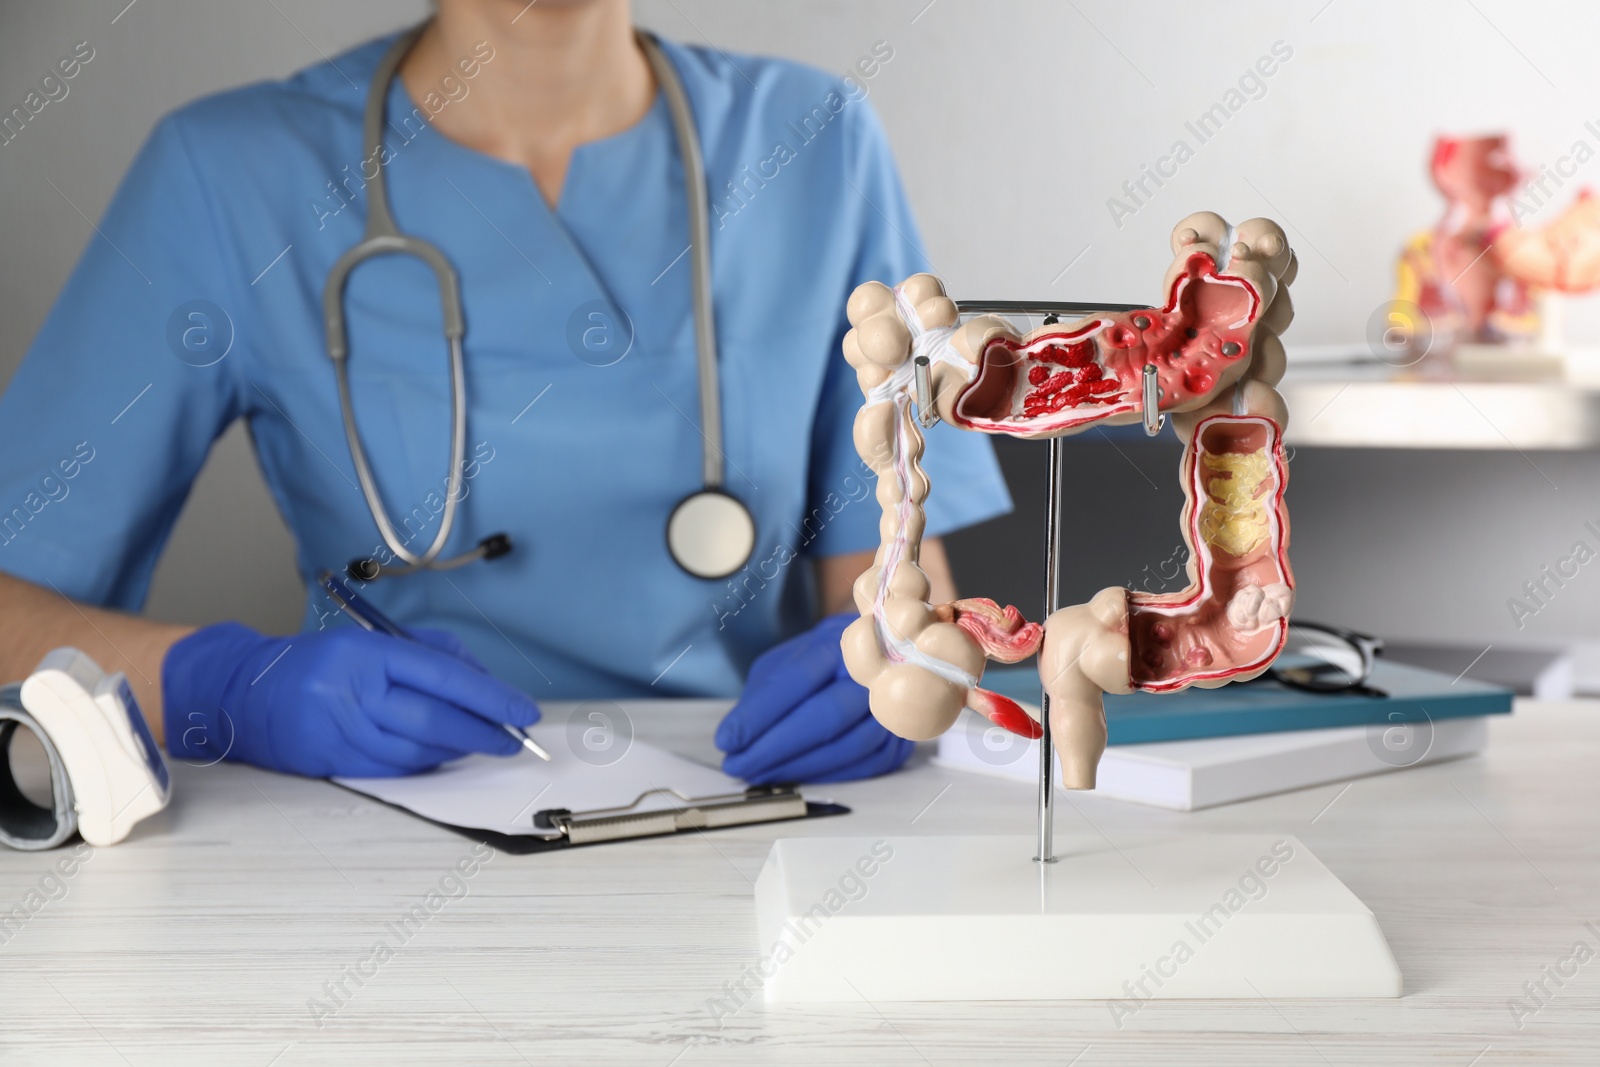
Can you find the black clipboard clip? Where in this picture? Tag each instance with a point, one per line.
(769, 803)
(560, 828)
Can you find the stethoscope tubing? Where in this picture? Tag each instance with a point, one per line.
(383, 237)
(698, 203)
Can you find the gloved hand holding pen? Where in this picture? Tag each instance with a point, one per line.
(339, 702)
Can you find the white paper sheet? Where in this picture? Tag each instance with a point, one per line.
(504, 794)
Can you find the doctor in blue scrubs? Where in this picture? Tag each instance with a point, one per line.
(533, 146)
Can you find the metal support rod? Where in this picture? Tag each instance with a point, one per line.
(1041, 307)
(1052, 310)
(1052, 589)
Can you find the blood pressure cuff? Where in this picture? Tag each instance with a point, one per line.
(24, 824)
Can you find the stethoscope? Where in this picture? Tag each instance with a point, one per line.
(710, 533)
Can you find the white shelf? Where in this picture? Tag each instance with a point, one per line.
(1362, 403)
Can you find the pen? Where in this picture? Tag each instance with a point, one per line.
(370, 618)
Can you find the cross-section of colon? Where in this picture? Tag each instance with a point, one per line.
(1233, 617)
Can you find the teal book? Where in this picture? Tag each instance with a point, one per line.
(1413, 695)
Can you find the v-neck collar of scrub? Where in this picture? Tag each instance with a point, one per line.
(400, 103)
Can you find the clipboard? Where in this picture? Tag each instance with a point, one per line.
(759, 804)
(586, 804)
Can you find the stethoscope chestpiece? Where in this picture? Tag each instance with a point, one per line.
(711, 534)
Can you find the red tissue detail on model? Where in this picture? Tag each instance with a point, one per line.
(1059, 381)
(1002, 633)
(1079, 380)
(1004, 713)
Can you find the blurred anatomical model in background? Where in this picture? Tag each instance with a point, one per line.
(1482, 277)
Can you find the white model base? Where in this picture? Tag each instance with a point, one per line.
(975, 918)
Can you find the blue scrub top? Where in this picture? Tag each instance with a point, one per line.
(198, 302)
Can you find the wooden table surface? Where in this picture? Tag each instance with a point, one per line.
(207, 937)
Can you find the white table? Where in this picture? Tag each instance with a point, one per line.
(203, 937)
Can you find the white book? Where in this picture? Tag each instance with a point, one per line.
(1203, 773)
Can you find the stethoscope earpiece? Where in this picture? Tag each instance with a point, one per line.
(494, 546)
(363, 570)
(370, 570)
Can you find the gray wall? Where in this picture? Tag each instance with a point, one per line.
(230, 556)
(1014, 123)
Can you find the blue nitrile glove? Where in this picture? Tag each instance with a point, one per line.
(802, 718)
(338, 702)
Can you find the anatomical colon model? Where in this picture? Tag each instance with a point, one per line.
(1215, 348)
